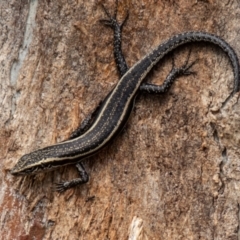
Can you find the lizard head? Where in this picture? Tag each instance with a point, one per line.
(30, 164)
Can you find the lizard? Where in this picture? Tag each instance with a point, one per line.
(110, 117)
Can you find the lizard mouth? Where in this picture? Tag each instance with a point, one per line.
(16, 173)
(28, 171)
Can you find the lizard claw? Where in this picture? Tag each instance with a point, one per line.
(112, 20)
(61, 187)
(185, 68)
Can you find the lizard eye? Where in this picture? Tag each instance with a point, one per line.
(29, 170)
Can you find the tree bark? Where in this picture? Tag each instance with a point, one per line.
(173, 173)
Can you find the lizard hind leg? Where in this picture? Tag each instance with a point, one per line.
(119, 59)
(117, 29)
(175, 73)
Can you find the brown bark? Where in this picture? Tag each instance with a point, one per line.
(173, 173)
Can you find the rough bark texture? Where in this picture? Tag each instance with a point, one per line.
(173, 173)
